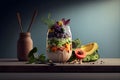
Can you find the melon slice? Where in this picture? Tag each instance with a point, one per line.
(80, 54)
(90, 48)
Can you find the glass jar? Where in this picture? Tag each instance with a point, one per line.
(24, 46)
(59, 43)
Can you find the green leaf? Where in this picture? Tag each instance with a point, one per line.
(34, 50)
(31, 57)
(42, 58)
(49, 16)
(31, 60)
(73, 57)
(48, 21)
(76, 43)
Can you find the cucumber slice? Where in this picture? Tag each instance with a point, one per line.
(87, 59)
(95, 57)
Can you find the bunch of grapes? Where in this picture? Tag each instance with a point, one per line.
(59, 29)
(59, 32)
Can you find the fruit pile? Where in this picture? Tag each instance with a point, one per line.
(86, 53)
(91, 50)
(59, 37)
(60, 46)
(58, 29)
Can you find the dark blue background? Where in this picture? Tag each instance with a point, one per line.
(91, 21)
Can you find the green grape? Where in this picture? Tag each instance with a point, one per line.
(87, 59)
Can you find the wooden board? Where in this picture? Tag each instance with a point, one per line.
(108, 65)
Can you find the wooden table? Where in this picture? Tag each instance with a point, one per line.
(103, 65)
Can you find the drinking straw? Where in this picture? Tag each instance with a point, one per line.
(19, 21)
(33, 17)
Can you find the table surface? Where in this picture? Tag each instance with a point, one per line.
(109, 65)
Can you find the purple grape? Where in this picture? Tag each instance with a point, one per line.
(59, 29)
(50, 35)
(61, 35)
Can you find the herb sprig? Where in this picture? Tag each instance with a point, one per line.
(33, 57)
(48, 21)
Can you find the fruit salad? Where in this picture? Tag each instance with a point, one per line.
(59, 41)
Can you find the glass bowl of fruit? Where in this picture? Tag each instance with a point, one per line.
(59, 40)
